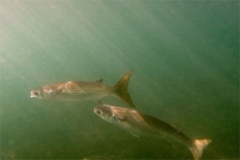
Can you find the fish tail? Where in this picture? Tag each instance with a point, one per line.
(198, 146)
(121, 89)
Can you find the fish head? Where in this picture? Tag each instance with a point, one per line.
(37, 93)
(111, 114)
(45, 92)
(105, 112)
(118, 116)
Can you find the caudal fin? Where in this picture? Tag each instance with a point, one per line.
(198, 146)
(121, 89)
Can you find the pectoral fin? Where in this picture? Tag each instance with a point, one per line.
(127, 126)
(117, 119)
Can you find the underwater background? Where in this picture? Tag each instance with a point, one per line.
(184, 56)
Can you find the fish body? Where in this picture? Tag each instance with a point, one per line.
(140, 124)
(84, 91)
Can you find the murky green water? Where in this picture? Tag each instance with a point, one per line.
(185, 61)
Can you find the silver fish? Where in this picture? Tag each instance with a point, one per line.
(139, 124)
(84, 91)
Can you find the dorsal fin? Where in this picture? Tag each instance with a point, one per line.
(99, 80)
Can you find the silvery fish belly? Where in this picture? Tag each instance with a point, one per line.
(137, 123)
(84, 91)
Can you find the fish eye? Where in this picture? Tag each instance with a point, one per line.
(36, 93)
(99, 112)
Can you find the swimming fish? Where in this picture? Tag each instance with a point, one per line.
(84, 91)
(139, 124)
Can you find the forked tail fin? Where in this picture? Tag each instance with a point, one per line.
(121, 89)
(198, 146)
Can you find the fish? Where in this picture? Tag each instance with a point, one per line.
(85, 91)
(140, 124)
